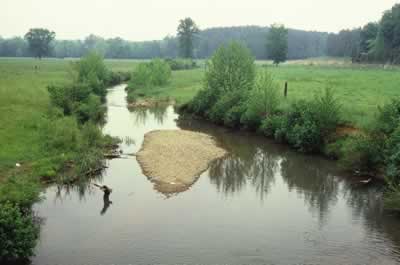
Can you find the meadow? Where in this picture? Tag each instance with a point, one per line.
(24, 100)
(24, 97)
(359, 88)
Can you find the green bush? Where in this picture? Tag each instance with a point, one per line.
(388, 117)
(18, 233)
(228, 79)
(91, 110)
(393, 158)
(224, 104)
(150, 74)
(181, 64)
(306, 124)
(263, 101)
(272, 125)
(362, 153)
(231, 68)
(116, 78)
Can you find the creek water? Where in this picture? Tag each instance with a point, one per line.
(262, 204)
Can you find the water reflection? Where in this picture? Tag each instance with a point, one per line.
(156, 113)
(256, 162)
(81, 188)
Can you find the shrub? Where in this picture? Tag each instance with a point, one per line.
(362, 153)
(151, 74)
(263, 100)
(223, 105)
(181, 64)
(393, 158)
(18, 232)
(388, 117)
(116, 78)
(91, 110)
(229, 77)
(327, 110)
(272, 125)
(231, 68)
(306, 125)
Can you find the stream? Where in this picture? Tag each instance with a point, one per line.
(262, 204)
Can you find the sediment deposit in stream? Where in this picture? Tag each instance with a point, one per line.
(174, 159)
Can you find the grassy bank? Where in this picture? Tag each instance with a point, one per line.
(50, 112)
(360, 89)
(323, 97)
(24, 100)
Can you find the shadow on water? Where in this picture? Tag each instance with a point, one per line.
(257, 162)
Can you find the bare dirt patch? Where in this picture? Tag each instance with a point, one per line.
(174, 159)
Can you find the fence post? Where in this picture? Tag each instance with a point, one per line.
(285, 90)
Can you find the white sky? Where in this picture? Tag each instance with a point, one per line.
(154, 19)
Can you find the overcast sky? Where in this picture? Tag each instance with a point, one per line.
(154, 19)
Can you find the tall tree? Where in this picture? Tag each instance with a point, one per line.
(39, 41)
(277, 43)
(186, 30)
(367, 35)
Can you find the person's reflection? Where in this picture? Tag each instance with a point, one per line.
(107, 203)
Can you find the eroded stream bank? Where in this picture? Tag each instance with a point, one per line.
(261, 204)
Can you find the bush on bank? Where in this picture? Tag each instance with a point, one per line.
(150, 74)
(73, 145)
(234, 95)
(18, 232)
(181, 64)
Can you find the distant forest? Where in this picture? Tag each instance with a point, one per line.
(302, 44)
(374, 42)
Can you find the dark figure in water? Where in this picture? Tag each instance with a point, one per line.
(107, 203)
(106, 197)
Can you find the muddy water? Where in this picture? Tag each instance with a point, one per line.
(263, 204)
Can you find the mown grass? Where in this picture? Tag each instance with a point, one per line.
(24, 99)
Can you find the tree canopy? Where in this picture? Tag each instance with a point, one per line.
(39, 41)
(277, 43)
(186, 30)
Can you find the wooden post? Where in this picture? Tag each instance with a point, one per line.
(285, 90)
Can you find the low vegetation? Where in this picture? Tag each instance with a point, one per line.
(67, 144)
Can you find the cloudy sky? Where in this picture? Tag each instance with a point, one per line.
(154, 19)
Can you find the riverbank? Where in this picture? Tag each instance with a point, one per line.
(241, 95)
(174, 159)
(51, 134)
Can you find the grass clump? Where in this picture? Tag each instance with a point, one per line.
(181, 64)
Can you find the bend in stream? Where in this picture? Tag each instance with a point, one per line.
(262, 204)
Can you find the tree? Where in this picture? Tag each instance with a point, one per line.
(39, 41)
(367, 35)
(277, 43)
(186, 30)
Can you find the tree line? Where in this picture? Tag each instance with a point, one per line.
(301, 44)
(374, 42)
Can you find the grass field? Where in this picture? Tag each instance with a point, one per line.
(360, 89)
(24, 98)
